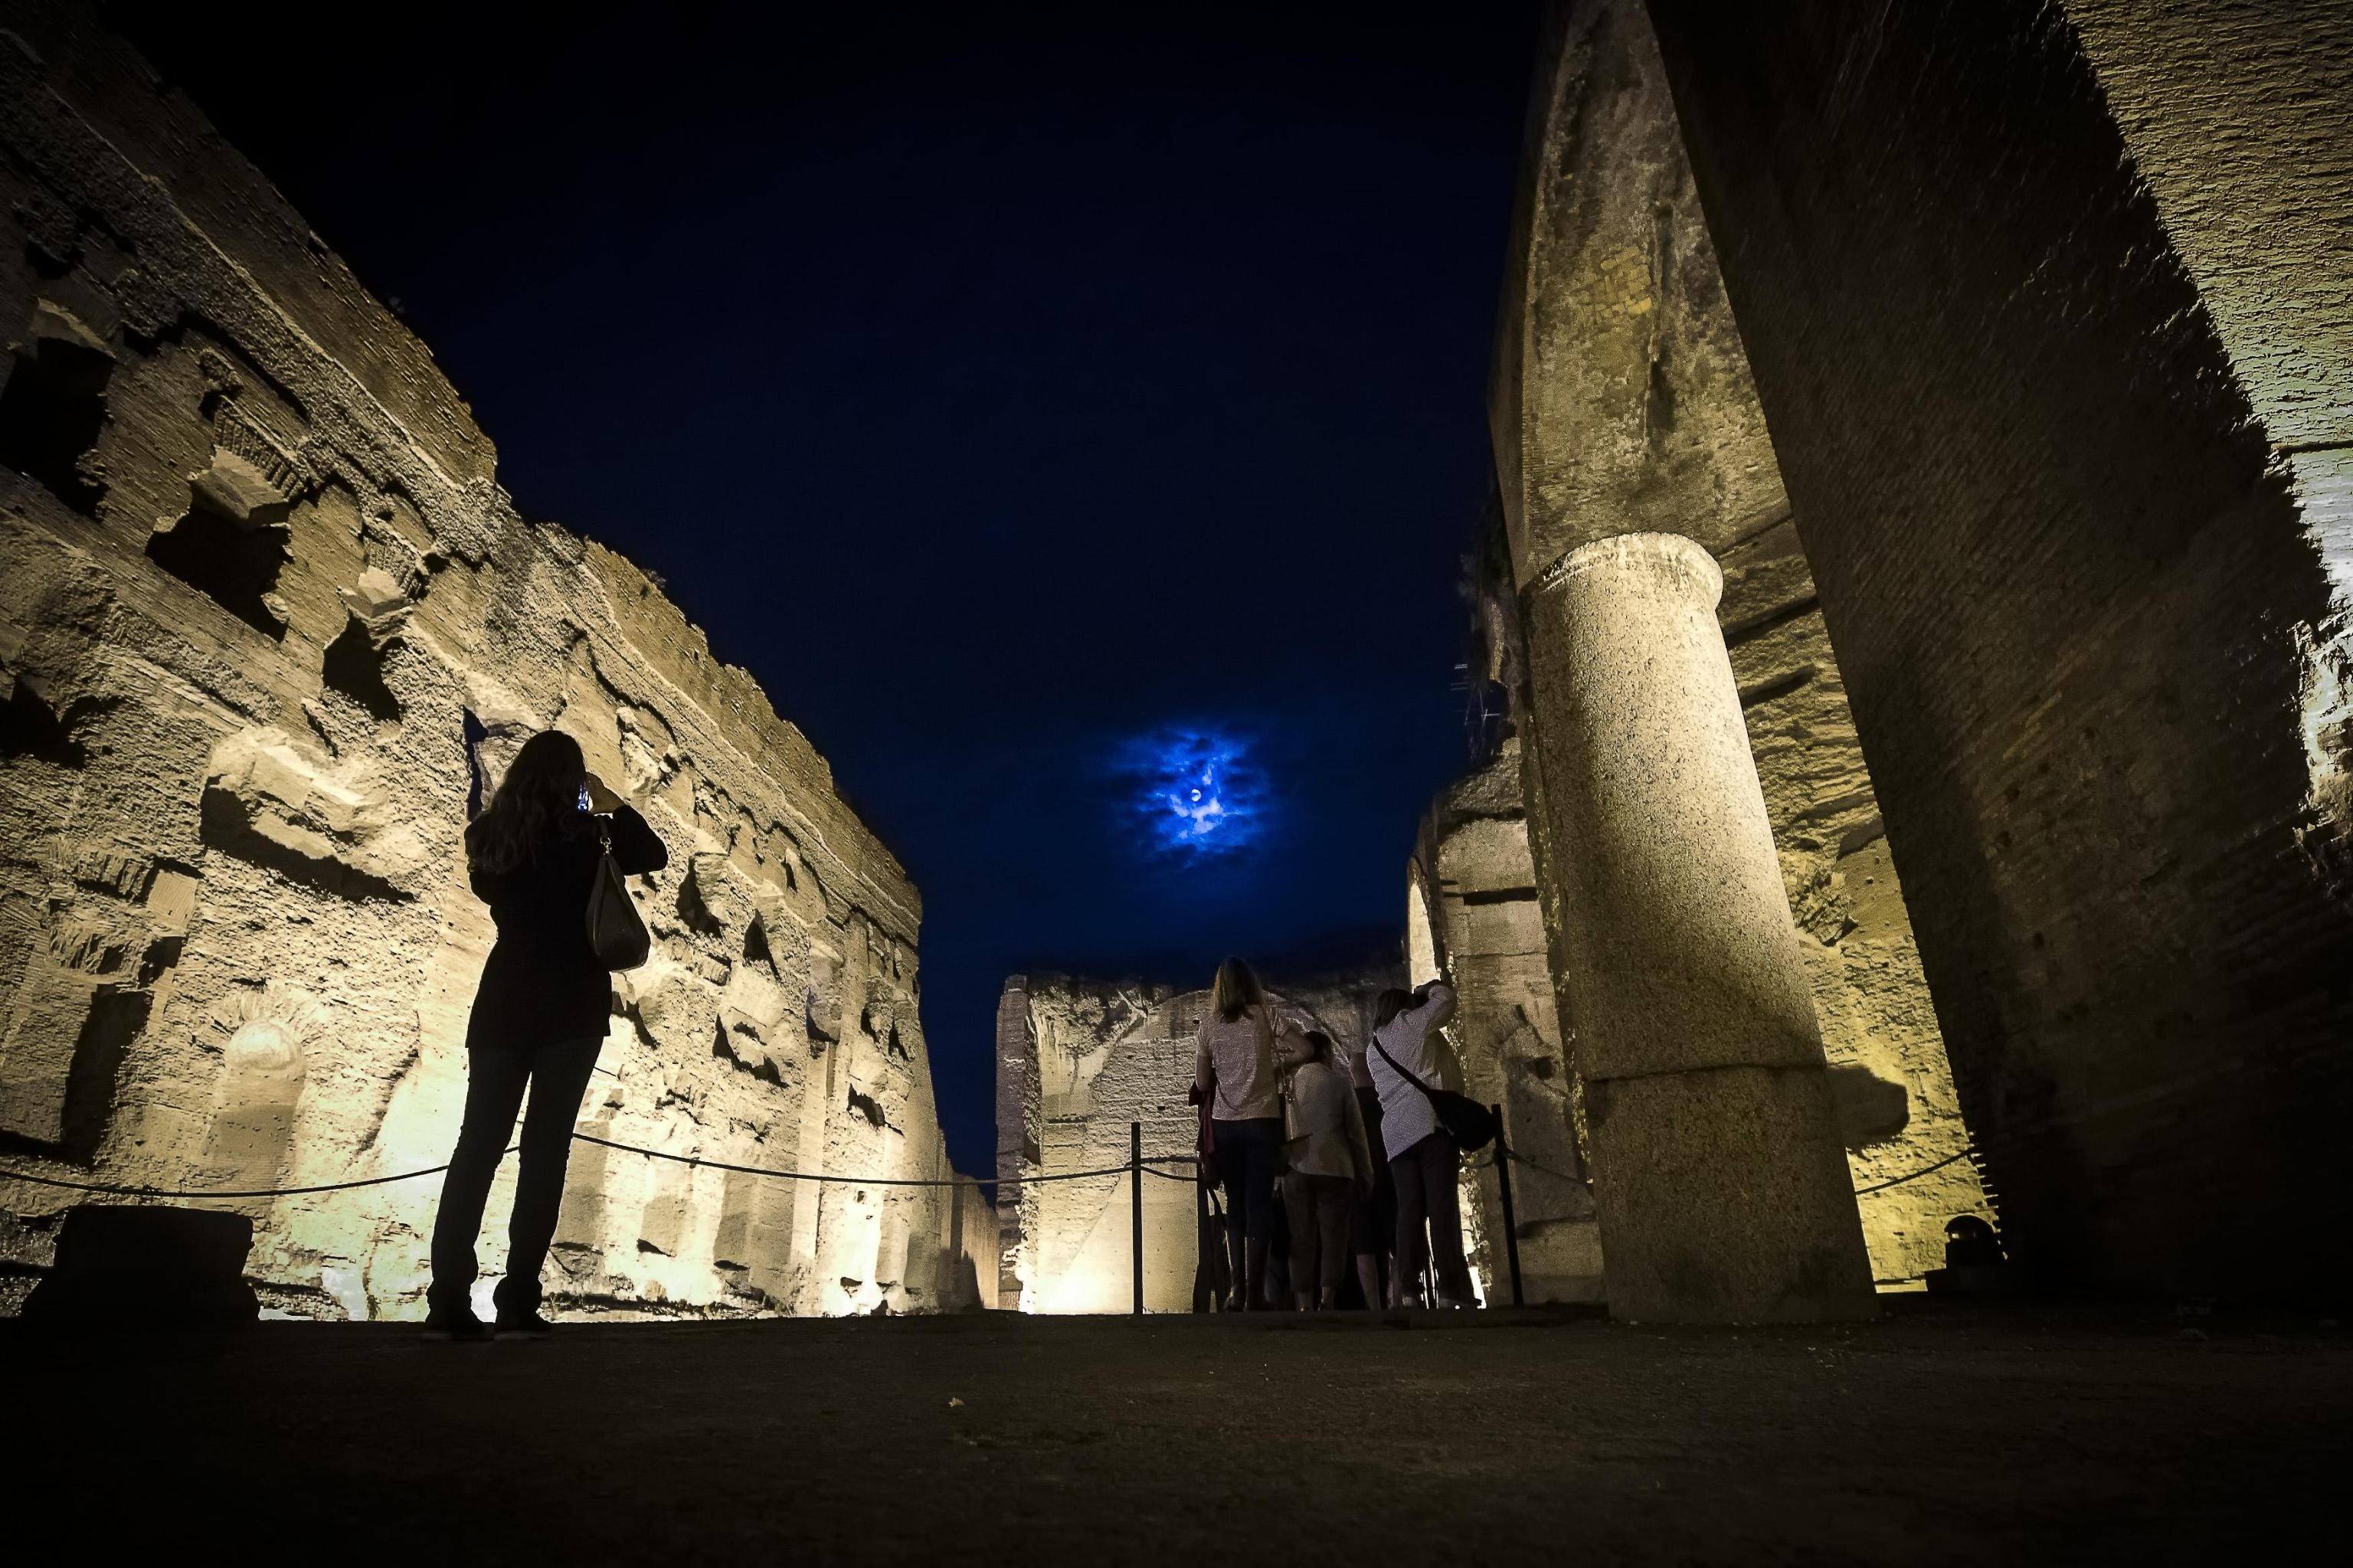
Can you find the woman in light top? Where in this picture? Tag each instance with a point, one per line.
(1423, 1160)
(1234, 1070)
(1329, 1166)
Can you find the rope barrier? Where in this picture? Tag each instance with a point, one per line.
(112, 1190)
(1150, 1164)
(1518, 1159)
(1914, 1176)
(1118, 1170)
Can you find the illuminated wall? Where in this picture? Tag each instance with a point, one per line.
(1470, 913)
(267, 625)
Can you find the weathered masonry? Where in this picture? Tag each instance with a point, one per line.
(2023, 333)
(268, 625)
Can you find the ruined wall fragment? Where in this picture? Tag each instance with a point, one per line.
(1474, 902)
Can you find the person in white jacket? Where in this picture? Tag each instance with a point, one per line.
(1423, 1160)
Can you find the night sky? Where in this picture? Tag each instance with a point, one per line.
(1048, 409)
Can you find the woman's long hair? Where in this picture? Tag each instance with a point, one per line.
(1235, 990)
(1390, 1002)
(538, 799)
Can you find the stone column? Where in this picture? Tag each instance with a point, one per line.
(1718, 1171)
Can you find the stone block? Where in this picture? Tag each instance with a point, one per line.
(1724, 1199)
(52, 1006)
(148, 1267)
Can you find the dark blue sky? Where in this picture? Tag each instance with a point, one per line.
(1002, 393)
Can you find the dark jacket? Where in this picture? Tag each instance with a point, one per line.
(542, 982)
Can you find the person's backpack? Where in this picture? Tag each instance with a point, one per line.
(616, 932)
(1469, 1124)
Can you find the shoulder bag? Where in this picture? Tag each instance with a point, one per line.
(1469, 1124)
(616, 930)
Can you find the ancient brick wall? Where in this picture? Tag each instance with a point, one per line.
(2055, 378)
(268, 628)
(1078, 1061)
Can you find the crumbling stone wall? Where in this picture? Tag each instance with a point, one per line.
(269, 629)
(1891, 1082)
(1472, 917)
(2047, 307)
(1078, 1061)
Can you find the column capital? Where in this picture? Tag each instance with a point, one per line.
(1671, 560)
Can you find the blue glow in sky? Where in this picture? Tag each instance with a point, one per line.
(1197, 791)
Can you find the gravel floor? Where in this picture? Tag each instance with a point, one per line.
(1939, 1434)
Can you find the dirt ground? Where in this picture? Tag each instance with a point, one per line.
(1938, 1435)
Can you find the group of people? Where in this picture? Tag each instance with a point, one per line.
(1351, 1142)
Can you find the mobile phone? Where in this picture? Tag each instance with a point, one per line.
(584, 796)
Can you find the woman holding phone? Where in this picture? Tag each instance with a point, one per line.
(538, 1019)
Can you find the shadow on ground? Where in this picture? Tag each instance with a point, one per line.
(1936, 1436)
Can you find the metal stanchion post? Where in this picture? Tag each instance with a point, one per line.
(1511, 1223)
(1204, 1274)
(1136, 1208)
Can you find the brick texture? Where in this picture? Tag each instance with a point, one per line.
(2078, 595)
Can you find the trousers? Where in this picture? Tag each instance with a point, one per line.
(1250, 1156)
(1425, 1176)
(1319, 1209)
(496, 1076)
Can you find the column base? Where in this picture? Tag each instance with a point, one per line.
(1725, 1197)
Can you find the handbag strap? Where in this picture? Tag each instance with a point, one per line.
(1263, 1018)
(1399, 1067)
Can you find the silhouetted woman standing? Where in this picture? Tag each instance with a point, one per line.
(538, 1019)
(1233, 1068)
